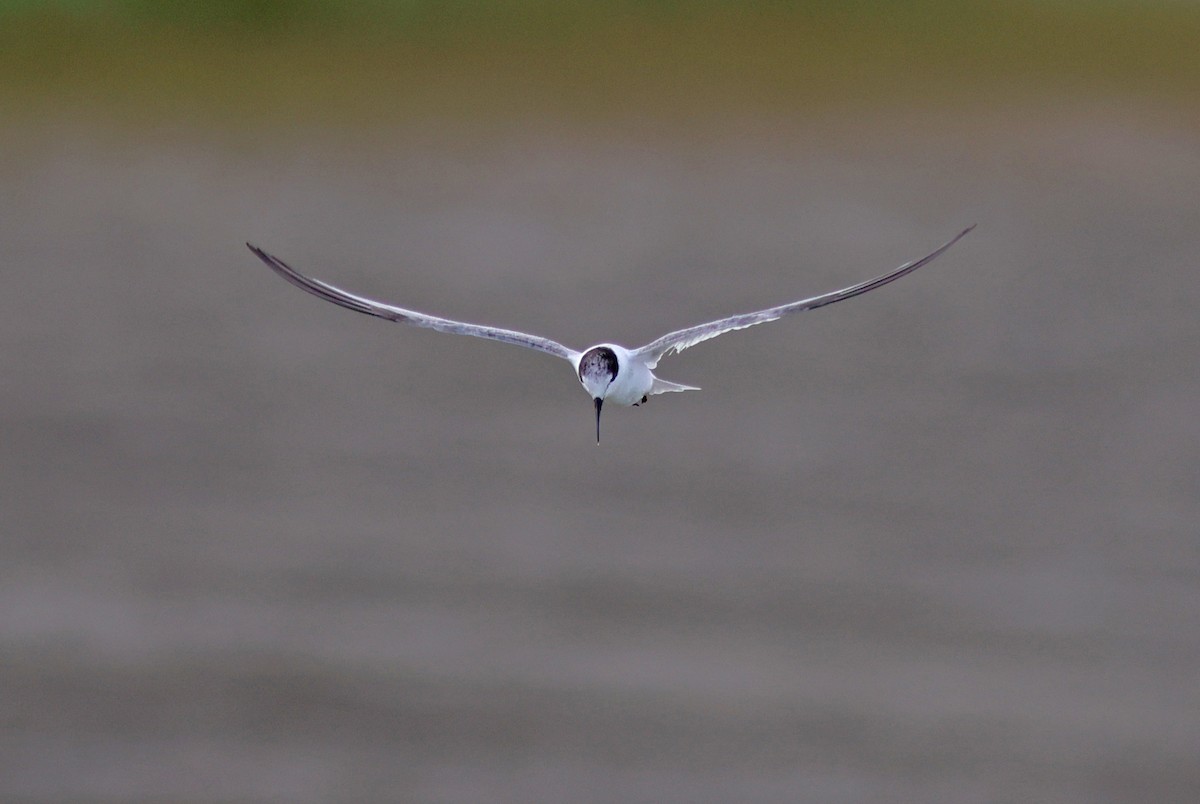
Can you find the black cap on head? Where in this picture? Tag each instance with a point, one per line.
(597, 362)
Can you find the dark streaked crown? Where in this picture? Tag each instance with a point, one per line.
(598, 362)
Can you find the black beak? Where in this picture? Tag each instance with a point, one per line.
(599, 403)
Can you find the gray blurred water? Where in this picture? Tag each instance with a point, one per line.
(938, 543)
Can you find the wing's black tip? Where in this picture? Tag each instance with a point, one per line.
(271, 260)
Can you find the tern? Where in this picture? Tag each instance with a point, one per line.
(608, 372)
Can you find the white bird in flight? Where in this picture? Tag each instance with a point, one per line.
(607, 371)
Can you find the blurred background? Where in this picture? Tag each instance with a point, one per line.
(939, 543)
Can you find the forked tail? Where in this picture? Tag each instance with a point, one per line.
(664, 387)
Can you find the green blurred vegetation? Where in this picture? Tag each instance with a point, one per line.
(376, 62)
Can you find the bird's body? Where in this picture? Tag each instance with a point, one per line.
(632, 381)
(608, 372)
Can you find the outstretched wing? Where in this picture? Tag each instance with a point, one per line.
(360, 304)
(676, 342)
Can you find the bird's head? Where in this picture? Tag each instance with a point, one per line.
(597, 370)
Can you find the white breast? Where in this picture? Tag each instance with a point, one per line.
(633, 379)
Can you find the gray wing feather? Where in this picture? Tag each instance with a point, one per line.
(323, 290)
(676, 342)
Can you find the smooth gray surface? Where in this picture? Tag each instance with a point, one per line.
(938, 543)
